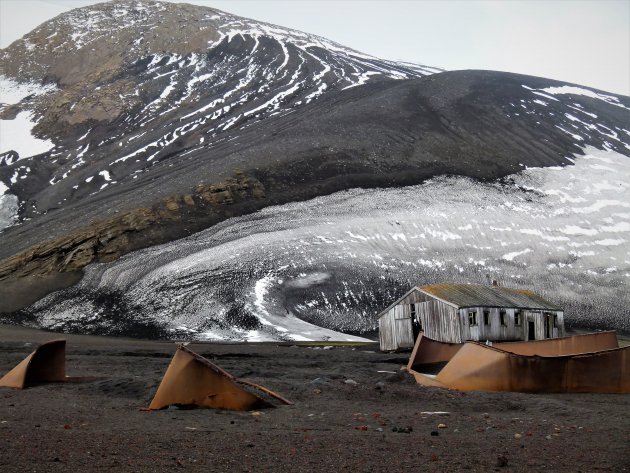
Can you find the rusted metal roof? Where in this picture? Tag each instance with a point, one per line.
(477, 295)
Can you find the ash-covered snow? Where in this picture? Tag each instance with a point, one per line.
(336, 261)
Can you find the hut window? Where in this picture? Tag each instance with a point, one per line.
(486, 317)
(517, 318)
(554, 318)
(502, 317)
(412, 308)
(472, 318)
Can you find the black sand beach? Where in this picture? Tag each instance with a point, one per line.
(354, 411)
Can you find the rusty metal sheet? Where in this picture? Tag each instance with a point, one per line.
(192, 380)
(45, 365)
(427, 351)
(477, 367)
(586, 343)
(477, 295)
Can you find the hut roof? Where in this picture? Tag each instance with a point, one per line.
(477, 295)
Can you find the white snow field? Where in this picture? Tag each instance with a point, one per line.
(17, 135)
(336, 261)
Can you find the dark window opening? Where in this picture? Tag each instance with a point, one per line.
(502, 318)
(472, 318)
(486, 317)
(415, 321)
(548, 322)
(517, 318)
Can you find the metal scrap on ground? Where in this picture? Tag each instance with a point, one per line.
(583, 363)
(47, 364)
(192, 380)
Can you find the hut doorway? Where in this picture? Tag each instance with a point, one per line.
(531, 330)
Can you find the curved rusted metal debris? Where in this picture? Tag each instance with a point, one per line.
(192, 380)
(591, 363)
(427, 351)
(47, 364)
(585, 343)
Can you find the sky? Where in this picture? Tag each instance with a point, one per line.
(586, 42)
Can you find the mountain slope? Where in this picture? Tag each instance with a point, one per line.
(132, 83)
(227, 116)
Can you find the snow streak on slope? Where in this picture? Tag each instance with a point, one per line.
(336, 261)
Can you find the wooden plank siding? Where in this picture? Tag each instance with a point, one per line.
(395, 325)
(509, 331)
(543, 324)
(493, 330)
(387, 332)
(403, 327)
(395, 328)
(439, 321)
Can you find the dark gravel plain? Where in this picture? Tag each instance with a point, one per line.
(379, 421)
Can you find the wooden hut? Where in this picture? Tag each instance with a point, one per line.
(455, 313)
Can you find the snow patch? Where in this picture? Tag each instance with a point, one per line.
(571, 90)
(13, 92)
(16, 135)
(511, 256)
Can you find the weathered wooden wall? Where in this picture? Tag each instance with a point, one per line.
(510, 331)
(395, 326)
(439, 321)
(543, 325)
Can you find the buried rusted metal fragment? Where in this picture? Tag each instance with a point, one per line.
(47, 364)
(586, 363)
(427, 351)
(585, 343)
(192, 380)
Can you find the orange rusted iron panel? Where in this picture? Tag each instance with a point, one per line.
(478, 367)
(427, 351)
(479, 295)
(586, 343)
(192, 380)
(45, 365)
